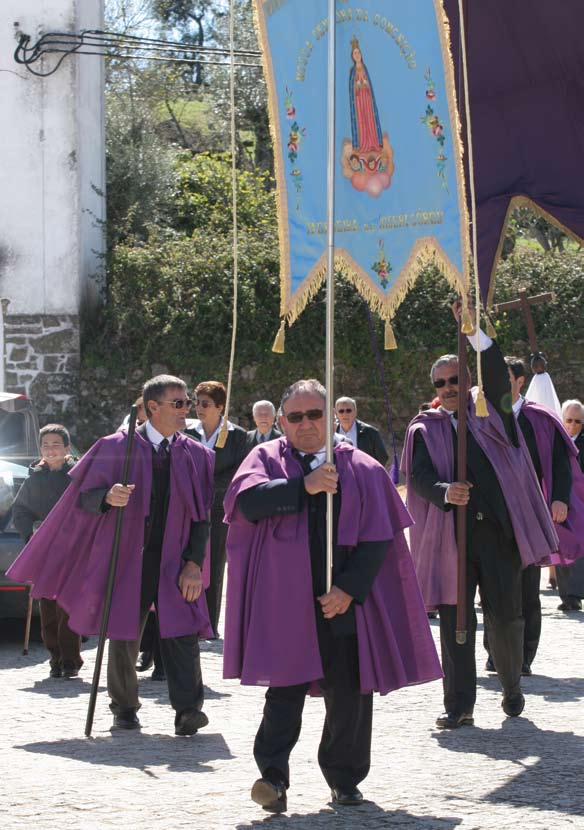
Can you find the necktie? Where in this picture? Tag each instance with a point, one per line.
(306, 461)
(163, 447)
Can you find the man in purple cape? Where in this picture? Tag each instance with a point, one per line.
(283, 630)
(553, 455)
(162, 549)
(508, 528)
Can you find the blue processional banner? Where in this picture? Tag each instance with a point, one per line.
(398, 159)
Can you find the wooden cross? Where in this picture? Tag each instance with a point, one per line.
(524, 304)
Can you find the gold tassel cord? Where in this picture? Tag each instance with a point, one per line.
(481, 404)
(222, 437)
(279, 346)
(491, 330)
(390, 341)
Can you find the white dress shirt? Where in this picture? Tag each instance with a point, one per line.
(156, 437)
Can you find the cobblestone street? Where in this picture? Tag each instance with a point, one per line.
(526, 772)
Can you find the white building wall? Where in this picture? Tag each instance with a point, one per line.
(52, 185)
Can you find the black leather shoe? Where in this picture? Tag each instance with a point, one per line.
(513, 705)
(189, 722)
(70, 671)
(126, 720)
(526, 670)
(56, 671)
(158, 674)
(145, 661)
(570, 604)
(452, 720)
(346, 798)
(490, 665)
(270, 796)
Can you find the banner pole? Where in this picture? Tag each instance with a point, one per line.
(330, 276)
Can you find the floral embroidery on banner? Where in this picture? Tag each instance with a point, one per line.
(435, 127)
(295, 136)
(382, 266)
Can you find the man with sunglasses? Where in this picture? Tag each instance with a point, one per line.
(508, 526)
(360, 434)
(570, 579)
(162, 550)
(284, 629)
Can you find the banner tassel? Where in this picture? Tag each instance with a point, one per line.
(222, 437)
(390, 341)
(467, 321)
(481, 404)
(491, 330)
(279, 342)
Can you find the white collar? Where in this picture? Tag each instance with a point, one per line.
(156, 437)
(517, 405)
(212, 439)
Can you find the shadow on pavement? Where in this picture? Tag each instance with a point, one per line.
(366, 817)
(550, 765)
(552, 689)
(139, 751)
(58, 688)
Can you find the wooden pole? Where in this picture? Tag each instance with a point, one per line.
(461, 609)
(110, 578)
(28, 621)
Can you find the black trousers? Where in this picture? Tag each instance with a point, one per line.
(214, 592)
(180, 658)
(62, 644)
(494, 565)
(344, 754)
(150, 641)
(531, 604)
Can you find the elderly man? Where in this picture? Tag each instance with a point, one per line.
(509, 527)
(570, 579)
(264, 415)
(361, 435)
(162, 548)
(284, 629)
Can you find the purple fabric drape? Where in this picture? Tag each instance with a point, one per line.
(526, 79)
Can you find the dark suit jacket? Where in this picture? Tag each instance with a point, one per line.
(369, 440)
(486, 496)
(253, 437)
(227, 460)
(580, 447)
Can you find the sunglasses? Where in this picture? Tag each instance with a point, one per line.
(297, 417)
(344, 411)
(203, 404)
(573, 421)
(179, 403)
(441, 382)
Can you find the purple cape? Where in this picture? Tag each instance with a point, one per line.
(68, 558)
(432, 537)
(270, 630)
(545, 423)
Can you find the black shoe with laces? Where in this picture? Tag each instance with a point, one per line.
(189, 722)
(126, 720)
(350, 797)
(55, 672)
(452, 720)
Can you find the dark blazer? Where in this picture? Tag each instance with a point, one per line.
(254, 434)
(369, 440)
(580, 447)
(486, 496)
(227, 460)
(38, 495)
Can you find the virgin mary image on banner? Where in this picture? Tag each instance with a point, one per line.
(366, 158)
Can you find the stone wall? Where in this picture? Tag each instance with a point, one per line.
(42, 361)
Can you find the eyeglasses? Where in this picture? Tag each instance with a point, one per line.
(297, 417)
(204, 404)
(441, 382)
(179, 403)
(344, 411)
(572, 421)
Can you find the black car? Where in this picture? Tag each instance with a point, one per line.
(18, 449)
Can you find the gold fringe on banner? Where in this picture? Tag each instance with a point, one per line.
(280, 341)
(390, 341)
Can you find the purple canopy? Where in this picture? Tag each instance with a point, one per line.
(526, 79)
